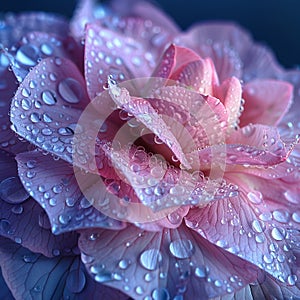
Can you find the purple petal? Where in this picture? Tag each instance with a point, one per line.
(45, 111)
(16, 26)
(8, 85)
(35, 46)
(53, 184)
(5, 293)
(170, 263)
(23, 220)
(259, 224)
(30, 275)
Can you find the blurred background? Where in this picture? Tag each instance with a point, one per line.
(275, 23)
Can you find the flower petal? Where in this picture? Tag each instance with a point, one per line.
(39, 45)
(53, 184)
(256, 225)
(173, 59)
(222, 42)
(146, 11)
(5, 293)
(106, 55)
(8, 85)
(16, 26)
(266, 101)
(30, 275)
(45, 112)
(169, 263)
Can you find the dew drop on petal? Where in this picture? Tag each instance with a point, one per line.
(160, 294)
(12, 190)
(76, 281)
(48, 97)
(70, 90)
(278, 233)
(44, 221)
(181, 248)
(27, 55)
(150, 259)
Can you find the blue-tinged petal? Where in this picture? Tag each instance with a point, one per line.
(5, 293)
(52, 183)
(167, 264)
(34, 276)
(23, 220)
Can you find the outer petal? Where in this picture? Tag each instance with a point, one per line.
(48, 104)
(31, 275)
(105, 55)
(170, 263)
(266, 101)
(146, 11)
(5, 293)
(53, 184)
(17, 26)
(35, 46)
(8, 85)
(257, 225)
(222, 42)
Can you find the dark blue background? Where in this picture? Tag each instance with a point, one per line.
(273, 22)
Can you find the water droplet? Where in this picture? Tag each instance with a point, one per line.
(48, 97)
(160, 294)
(281, 216)
(44, 221)
(66, 131)
(292, 279)
(85, 203)
(76, 281)
(124, 264)
(46, 49)
(26, 104)
(30, 258)
(258, 226)
(201, 272)
(255, 197)
(181, 248)
(103, 277)
(139, 290)
(291, 197)
(218, 283)
(70, 90)
(35, 117)
(278, 233)
(296, 216)
(27, 55)
(17, 209)
(4, 225)
(151, 259)
(52, 201)
(47, 118)
(12, 190)
(64, 219)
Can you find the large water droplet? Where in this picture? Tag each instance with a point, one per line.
(70, 90)
(255, 197)
(278, 233)
(4, 225)
(103, 277)
(48, 97)
(12, 190)
(150, 259)
(281, 216)
(76, 281)
(124, 264)
(258, 226)
(181, 248)
(160, 294)
(201, 272)
(27, 55)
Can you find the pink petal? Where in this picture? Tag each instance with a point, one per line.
(39, 45)
(53, 184)
(266, 101)
(230, 93)
(8, 85)
(200, 75)
(22, 220)
(102, 61)
(28, 273)
(146, 11)
(143, 111)
(257, 225)
(45, 112)
(173, 59)
(149, 259)
(222, 42)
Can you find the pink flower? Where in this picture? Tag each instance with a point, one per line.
(167, 161)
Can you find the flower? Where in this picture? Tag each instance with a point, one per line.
(145, 162)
